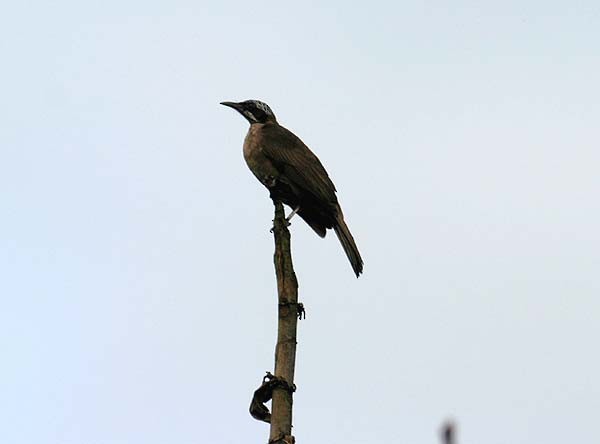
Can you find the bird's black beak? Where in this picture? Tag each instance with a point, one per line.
(233, 105)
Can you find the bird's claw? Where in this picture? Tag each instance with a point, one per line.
(287, 224)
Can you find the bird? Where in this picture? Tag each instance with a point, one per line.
(294, 175)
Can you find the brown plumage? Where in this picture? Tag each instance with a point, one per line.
(294, 175)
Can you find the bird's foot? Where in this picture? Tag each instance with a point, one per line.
(270, 182)
(287, 224)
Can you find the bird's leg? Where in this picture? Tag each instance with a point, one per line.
(294, 211)
(287, 219)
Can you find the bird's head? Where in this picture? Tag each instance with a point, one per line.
(254, 111)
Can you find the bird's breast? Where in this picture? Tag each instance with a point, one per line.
(260, 165)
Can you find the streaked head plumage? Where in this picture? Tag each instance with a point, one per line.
(254, 111)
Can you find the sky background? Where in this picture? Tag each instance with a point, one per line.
(138, 292)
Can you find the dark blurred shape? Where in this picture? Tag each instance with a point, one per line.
(448, 433)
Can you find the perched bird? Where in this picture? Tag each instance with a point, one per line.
(294, 175)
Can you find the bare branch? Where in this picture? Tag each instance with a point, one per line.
(285, 351)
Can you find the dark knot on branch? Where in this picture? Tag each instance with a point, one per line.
(264, 393)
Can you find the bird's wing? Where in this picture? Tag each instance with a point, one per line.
(297, 162)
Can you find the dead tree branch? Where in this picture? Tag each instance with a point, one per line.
(285, 351)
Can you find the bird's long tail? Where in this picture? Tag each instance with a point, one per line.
(348, 244)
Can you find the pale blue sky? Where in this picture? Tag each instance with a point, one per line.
(138, 296)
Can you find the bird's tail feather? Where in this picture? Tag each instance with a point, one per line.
(348, 244)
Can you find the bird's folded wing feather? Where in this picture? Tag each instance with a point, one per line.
(297, 162)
